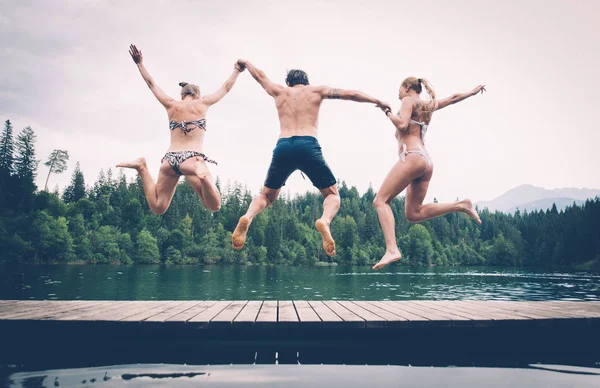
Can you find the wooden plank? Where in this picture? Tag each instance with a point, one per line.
(54, 308)
(186, 315)
(15, 311)
(58, 314)
(164, 315)
(540, 312)
(587, 309)
(123, 308)
(437, 318)
(392, 319)
(305, 312)
(80, 315)
(326, 315)
(229, 313)
(267, 316)
(350, 319)
(110, 313)
(371, 320)
(208, 314)
(496, 314)
(126, 309)
(248, 314)
(389, 306)
(493, 306)
(286, 315)
(22, 308)
(576, 309)
(6, 303)
(27, 310)
(429, 314)
(147, 313)
(444, 307)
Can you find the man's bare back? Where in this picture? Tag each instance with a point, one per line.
(298, 104)
(298, 109)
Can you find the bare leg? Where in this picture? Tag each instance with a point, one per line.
(259, 203)
(417, 212)
(395, 182)
(158, 195)
(197, 173)
(331, 205)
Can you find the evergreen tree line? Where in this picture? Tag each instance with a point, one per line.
(110, 222)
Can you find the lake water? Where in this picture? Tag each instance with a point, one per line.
(289, 376)
(147, 282)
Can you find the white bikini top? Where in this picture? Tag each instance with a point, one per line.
(423, 128)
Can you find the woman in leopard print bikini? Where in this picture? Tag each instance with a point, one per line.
(187, 122)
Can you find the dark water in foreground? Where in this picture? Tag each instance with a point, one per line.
(104, 282)
(292, 376)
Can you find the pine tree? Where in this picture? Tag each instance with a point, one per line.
(7, 149)
(25, 168)
(76, 190)
(25, 164)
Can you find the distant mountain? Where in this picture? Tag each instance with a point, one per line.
(529, 197)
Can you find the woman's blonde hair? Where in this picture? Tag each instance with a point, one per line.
(417, 85)
(189, 90)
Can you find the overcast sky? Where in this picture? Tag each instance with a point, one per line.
(65, 70)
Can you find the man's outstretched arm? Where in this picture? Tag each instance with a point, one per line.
(270, 87)
(351, 95)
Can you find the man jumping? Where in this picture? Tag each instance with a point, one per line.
(298, 148)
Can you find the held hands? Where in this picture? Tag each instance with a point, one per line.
(240, 65)
(480, 88)
(136, 54)
(384, 106)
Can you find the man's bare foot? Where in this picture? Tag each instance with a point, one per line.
(136, 164)
(328, 242)
(238, 238)
(388, 258)
(469, 210)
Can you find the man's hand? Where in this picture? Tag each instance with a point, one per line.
(239, 66)
(480, 88)
(136, 54)
(384, 106)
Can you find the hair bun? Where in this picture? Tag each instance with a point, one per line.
(182, 84)
(420, 80)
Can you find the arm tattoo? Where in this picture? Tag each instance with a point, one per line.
(333, 94)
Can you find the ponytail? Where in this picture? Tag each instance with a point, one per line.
(417, 84)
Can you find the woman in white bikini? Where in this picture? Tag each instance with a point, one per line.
(187, 122)
(414, 169)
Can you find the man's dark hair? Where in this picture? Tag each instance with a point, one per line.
(296, 77)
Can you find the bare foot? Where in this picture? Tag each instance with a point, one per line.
(238, 238)
(388, 258)
(469, 210)
(136, 164)
(328, 242)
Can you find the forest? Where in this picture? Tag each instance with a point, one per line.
(109, 221)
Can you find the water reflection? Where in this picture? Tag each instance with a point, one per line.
(290, 376)
(298, 283)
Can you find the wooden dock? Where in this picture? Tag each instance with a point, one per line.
(405, 332)
(309, 314)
